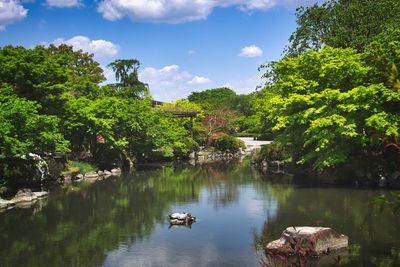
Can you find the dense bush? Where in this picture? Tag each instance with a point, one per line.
(80, 167)
(225, 142)
(272, 152)
(331, 105)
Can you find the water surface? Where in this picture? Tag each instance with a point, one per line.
(124, 221)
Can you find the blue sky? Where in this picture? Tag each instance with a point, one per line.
(183, 45)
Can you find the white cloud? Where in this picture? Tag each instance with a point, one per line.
(101, 49)
(251, 51)
(64, 3)
(178, 11)
(199, 80)
(11, 11)
(170, 82)
(245, 86)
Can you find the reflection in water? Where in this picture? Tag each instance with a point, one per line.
(124, 221)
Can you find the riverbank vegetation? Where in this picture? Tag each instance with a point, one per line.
(333, 99)
(52, 102)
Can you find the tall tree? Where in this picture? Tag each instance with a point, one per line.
(44, 74)
(126, 74)
(342, 23)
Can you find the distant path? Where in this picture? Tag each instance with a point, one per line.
(252, 144)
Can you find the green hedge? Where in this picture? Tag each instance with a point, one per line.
(227, 142)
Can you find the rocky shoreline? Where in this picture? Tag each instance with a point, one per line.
(90, 176)
(26, 198)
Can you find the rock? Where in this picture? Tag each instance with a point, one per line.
(41, 194)
(100, 173)
(79, 177)
(181, 219)
(107, 174)
(24, 195)
(307, 241)
(264, 163)
(91, 176)
(116, 171)
(6, 204)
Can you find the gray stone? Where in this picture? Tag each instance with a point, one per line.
(101, 173)
(27, 196)
(24, 195)
(79, 177)
(308, 241)
(6, 204)
(116, 171)
(181, 219)
(91, 176)
(41, 194)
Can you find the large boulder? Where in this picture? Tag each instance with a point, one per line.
(6, 204)
(91, 176)
(308, 241)
(26, 195)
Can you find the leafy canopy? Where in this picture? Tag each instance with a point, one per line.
(342, 23)
(330, 105)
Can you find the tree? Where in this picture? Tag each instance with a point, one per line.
(328, 106)
(45, 74)
(213, 99)
(126, 74)
(342, 23)
(23, 129)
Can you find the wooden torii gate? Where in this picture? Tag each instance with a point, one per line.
(178, 113)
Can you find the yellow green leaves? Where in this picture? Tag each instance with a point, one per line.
(325, 107)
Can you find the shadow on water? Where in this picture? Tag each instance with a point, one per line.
(123, 221)
(373, 232)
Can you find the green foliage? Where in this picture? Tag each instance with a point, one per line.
(23, 129)
(225, 142)
(275, 151)
(213, 99)
(50, 101)
(130, 127)
(3, 187)
(328, 105)
(45, 74)
(342, 23)
(80, 167)
(392, 202)
(126, 73)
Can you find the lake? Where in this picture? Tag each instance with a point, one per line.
(123, 221)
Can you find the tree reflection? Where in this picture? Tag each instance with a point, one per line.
(82, 223)
(371, 233)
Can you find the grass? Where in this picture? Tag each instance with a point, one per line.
(80, 167)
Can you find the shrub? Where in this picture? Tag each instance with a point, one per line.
(225, 142)
(272, 152)
(80, 167)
